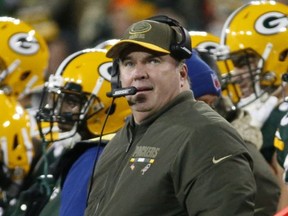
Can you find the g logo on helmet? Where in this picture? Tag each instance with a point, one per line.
(24, 44)
(209, 46)
(271, 23)
(105, 70)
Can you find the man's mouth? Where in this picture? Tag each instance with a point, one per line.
(144, 88)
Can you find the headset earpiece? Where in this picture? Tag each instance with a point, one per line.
(115, 79)
(179, 49)
(116, 87)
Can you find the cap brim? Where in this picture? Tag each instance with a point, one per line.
(115, 50)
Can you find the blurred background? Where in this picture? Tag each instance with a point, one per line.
(71, 25)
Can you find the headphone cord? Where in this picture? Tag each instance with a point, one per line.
(44, 178)
(98, 149)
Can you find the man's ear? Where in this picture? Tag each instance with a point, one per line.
(184, 72)
(183, 75)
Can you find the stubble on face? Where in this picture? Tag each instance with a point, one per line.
(157, 80)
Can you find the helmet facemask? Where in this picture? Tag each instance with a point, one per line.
(64, 109)
(83, 78)
(247, 81)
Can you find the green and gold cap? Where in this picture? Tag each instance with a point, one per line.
(150, 34)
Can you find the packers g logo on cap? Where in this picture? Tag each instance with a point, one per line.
(271, 23)
(24, 44)
(138, 29)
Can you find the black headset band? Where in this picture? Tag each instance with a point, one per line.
(183, 48)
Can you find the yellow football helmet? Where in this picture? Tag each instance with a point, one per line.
(17, 150)
(82, 81)
(23, 59)
(205, 41)
(255, 36)
(208, 42)
(107, 44)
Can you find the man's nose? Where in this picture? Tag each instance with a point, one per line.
(140, 72)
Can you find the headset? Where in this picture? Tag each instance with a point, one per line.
(179, 50)
(115, 80)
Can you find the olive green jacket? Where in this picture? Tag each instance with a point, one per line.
(184, 160)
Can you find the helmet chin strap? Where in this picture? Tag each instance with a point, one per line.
(67, 134)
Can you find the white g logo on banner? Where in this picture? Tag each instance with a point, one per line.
(24, 44)
(271, 23)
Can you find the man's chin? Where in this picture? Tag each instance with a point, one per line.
(65, 128)
(139, 98)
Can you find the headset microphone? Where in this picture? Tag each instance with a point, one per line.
(119, 92)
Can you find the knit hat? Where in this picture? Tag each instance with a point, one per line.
(146, 33)
(204, 80)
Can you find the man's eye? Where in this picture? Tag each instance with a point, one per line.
(72, 103)
(239, 61)
(127, 64)
(72, 100)
(153, 61)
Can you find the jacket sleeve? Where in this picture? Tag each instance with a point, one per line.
(227, 188)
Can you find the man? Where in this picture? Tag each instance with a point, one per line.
(206, 87)
(24, 58)
(204, 80)
(76, 103)
(162, 162)
(256, 69)
(17, 152)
